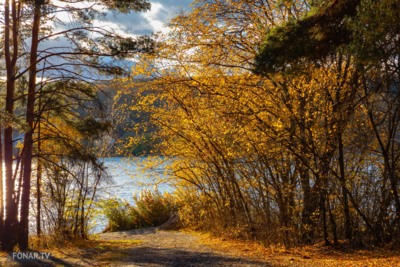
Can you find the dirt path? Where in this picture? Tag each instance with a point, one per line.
(148, 248)
(172, 248)
(153, 248)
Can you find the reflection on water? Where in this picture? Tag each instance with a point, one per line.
(128, 177)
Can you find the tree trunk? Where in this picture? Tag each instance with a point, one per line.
(324, 193)
(1, 187)
(10, 52)
(309, 206)
(347, 217)
(333, 223)
(28, 140)
(38, 188)
(38, 175)
(322, 203)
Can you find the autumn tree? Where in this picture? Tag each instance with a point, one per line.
(298, 149)
(26, 56)
(370, 43)
(209, 81)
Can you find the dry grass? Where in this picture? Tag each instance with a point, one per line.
(317, 255)
(79, 252)
(102, 252)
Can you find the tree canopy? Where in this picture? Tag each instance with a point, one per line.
(308, 149)
(315, 35)
(54, 65)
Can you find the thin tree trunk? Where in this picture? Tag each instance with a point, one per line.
(310, 205)
(1, 187)
(333, 223)
(38, 187)
(346, 209)
(10, 52)
(28, 140)
(322, 204)
(324, 195)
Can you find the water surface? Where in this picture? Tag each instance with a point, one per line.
(128, 177)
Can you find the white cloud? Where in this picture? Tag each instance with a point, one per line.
(153, 18)
(114, 27)
(131, 24)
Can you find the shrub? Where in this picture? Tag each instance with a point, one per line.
(119, 215)
(151, 208)
(154, 208)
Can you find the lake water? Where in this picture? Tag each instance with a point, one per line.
(128, 178)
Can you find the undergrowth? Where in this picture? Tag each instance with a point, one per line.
(150, 208)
